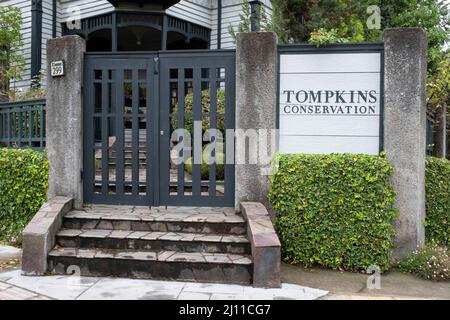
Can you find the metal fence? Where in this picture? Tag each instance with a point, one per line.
(22, 124)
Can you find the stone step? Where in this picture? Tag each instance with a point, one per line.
(129, 145)
(112, 166)
(127, 156)
(154, 241)
(181, 219)
(164, 265)
(128, 152)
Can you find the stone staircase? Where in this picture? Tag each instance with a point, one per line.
(178, 243)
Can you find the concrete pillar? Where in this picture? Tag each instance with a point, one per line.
(256, 87)
(64, 119)
(405, 131)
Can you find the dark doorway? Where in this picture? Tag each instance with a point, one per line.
(177, 41)
(138, 39)
(99, 41)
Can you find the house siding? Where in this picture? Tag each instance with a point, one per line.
(47, 31)
(88, 8)
(25, 8)
(195, 11)
(231, 10)
(201, 12)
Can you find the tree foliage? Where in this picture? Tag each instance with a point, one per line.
(335, 21)
(295, 20)
(322, 21)
(439, 84)
(11, 59)
(265, 23)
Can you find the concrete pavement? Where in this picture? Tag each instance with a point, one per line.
(15, 286)
(351, 286)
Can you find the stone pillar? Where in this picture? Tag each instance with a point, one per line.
(405, 131)
(64, 119)
(256, 87)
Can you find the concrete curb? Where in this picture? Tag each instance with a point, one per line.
(39, 235)
(266, 247)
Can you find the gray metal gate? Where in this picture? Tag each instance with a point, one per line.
(134, 105)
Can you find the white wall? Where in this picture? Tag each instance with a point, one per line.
(231, 9)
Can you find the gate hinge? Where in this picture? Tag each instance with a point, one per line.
(81, 174)
(81, 90)
(156, 65)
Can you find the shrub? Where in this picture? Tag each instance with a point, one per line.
(432, 262)
(437, 221)
(206, 108)
(204, 168)
(23, 185)
(334, 210)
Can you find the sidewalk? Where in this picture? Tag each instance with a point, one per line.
(353, 286)
(15, 286)
(298, 283)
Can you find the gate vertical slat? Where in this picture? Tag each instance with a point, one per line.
(230, 111)
(135, 132)
(163, 118)
(181, 110)
(154, 134)
(197, 116)
(105, 140)
(88, 135)
(119, 131)
(213, 122)
(149, 129)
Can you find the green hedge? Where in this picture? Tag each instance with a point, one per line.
(23, 185)
(206, 108)
(204, 168)
(334, 210)
(437, 222)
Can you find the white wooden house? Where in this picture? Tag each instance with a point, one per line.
(109, 25)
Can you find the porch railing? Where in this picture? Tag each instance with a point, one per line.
(22, 124)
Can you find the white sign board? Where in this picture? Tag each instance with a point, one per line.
(330, 103)
(57, 68)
